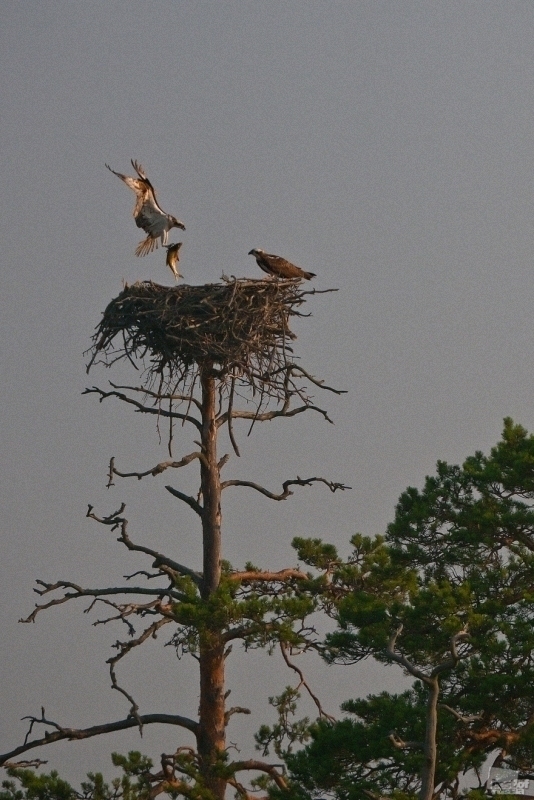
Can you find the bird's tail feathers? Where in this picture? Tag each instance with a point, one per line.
(146, 246)
(308, 275)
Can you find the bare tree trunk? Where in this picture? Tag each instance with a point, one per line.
(428, 773)
(211, 738)
(210, 486)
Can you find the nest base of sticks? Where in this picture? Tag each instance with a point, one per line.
(239, 328)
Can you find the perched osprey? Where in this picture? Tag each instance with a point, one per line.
(278, 266)
(173, 257)
(147, 213)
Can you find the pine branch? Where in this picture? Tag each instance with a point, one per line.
(283, 575)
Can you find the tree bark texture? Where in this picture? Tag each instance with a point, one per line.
(210, 485)
(211, 739)
(430, 747)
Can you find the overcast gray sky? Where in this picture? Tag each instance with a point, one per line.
(386, 146)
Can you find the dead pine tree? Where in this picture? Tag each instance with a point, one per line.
(204, 350)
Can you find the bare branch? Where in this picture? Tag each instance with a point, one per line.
(267, 415)
(260, 766)
(295, 369)
(400, 659)
(303, 682)
(222, 461)
(230, 417)
(114, 520)
(286, 492)
(451, 662)
(317, 291)
(159, 412)
(235, 710)
(460, 717)
(79, 592)
(72, 734)
(190, 501)
(124, 648)
(186, 398)
(428, 679)
(157, 470)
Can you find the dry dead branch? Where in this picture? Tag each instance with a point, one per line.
(303, 682)
(59, 732)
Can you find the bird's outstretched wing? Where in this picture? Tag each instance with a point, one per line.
(147, 212)
(146, 204)
(141, 186)
(149, 194)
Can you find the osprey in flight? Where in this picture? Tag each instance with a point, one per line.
(278, 266)
(147, 213)
(173, 257)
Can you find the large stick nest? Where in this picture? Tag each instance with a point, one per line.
(240, 328)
